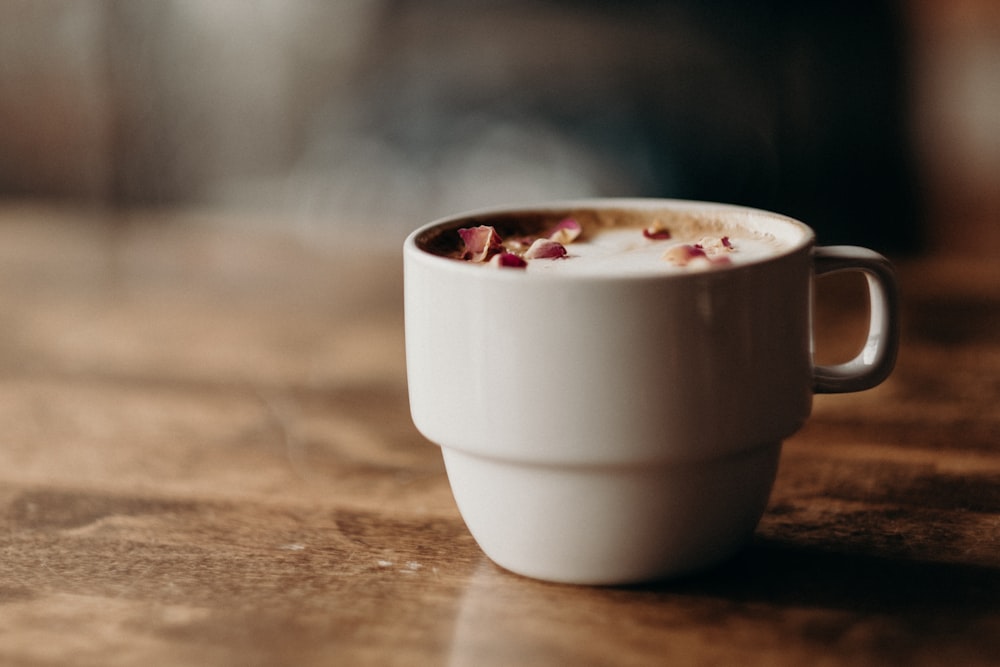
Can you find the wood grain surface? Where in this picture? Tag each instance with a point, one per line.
(207, 458)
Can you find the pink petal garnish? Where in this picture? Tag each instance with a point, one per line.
(508, 260)
(481, 242)
(565, 231)
(517, 244)
(715, 246)
(682, 254)
(656, 231)
(545, 249)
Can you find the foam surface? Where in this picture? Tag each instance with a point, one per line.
(624, 250)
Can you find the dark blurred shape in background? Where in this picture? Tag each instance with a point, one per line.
(385, 113)
(795, 107)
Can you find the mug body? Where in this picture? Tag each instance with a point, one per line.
(610, 428)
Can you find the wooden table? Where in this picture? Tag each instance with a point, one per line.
(207, 459)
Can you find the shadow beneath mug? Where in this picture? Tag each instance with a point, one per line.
(788, 574)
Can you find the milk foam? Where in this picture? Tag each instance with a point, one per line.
(613, 243)
(625, 250)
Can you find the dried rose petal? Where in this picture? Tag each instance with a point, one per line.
(545, 249)
(716, 246)
(481, 242)
(682, 254)
(565, 231)
(518, 244)
(508, 260)
(657, 231)
(696, 255)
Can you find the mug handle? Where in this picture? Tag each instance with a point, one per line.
(878, 356)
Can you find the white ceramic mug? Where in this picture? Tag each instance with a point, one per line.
(607, 429)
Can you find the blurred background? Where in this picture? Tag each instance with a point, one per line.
(878, 123)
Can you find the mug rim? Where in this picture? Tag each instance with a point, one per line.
(415, 243)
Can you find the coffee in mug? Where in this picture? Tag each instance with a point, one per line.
(610, 380)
